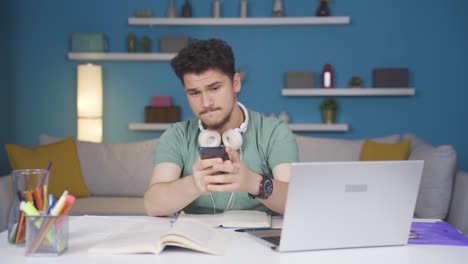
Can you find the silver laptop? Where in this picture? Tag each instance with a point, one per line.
(347, 204)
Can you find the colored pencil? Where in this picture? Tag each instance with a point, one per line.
(38, 199)
(46, 174)
(19, 231)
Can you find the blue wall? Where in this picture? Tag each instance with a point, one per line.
(6, 90)
(429, 37)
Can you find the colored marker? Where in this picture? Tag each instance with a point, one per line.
(29, 209)
(44, 195)
(19, 195)
(51, 201)
(38, 198)
(46, 174)
(59, 204)
(69, 200)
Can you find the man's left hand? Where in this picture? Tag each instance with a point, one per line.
(236, 177)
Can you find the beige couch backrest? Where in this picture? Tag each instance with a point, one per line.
(332, 149)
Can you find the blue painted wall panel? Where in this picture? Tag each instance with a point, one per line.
(428, 37)
(7, 120)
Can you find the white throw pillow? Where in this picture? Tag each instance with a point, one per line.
(435, 190)
(114, 169)
(331, 149)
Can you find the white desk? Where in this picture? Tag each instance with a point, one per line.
(86, 231)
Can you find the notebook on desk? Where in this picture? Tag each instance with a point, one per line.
(347, 204)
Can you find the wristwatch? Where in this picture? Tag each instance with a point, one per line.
(265, 190)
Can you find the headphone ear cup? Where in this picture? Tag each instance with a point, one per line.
(209, 138)
(232, 139)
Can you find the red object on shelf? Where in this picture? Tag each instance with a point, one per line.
(161, 101)
(327, 76)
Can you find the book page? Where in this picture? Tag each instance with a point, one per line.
(232, 219)
(196, 235)
(142, 238)
(209, 219)
(246, 219)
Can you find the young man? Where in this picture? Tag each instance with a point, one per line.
(256, 175)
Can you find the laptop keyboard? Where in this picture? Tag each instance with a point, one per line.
(273, 239)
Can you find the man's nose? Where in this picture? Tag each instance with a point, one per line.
(206, 100)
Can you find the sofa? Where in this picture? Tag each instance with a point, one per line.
(116, 175)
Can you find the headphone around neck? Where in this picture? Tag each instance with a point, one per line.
(231, 138)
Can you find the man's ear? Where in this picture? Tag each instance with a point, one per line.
(236, 82)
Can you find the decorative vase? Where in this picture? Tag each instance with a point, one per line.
(146, 44)
(278, 8)
(323, 9)
(187, 9)
(327, 76)
(328, 116)
(171, 10)
(216, 9)
(243, 8)
(131, 42)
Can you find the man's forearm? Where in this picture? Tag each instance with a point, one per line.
(164, 198)
(277, 200)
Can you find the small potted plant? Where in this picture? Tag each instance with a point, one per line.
(329, 108)
(355, 82)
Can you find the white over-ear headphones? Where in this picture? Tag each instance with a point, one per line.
(231, 138)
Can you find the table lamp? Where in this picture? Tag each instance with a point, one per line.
(89, 102)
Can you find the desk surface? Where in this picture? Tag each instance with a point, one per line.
(86, 231)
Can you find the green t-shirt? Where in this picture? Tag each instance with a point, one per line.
(266, 143)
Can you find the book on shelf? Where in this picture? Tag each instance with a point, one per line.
(149, 238)
(232, 219)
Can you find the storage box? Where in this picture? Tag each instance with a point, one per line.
(169, 114)
(46, 235)
(173, 44)
(300, 80)
(89, 42)
(161, 101)
(390, 78)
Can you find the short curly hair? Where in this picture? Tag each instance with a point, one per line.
(202, 55)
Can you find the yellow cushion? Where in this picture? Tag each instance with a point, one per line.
(372, 150)
(65, 172)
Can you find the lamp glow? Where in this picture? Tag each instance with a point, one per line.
(89, 102)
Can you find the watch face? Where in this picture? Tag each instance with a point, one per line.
(268, 187)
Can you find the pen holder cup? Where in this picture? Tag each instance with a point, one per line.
(23, 180)
(46, 235)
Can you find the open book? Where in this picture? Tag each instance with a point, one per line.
(153, 238)
(232, 219)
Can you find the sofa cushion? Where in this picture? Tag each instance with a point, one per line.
(372, 150)
(435, 190)
(65, 172)
(331, 149)
(114, 169)
(108, 206)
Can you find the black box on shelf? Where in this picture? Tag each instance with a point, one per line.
(300, 80)
(169, 114)
(390, 78)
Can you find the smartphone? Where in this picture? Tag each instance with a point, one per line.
(213, 152)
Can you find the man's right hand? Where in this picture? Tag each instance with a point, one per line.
(202, 172)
